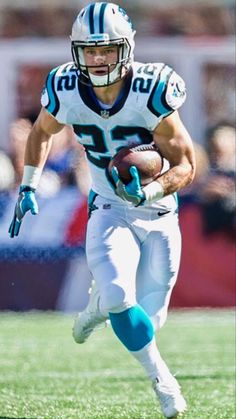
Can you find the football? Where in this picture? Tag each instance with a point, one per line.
(145, 157)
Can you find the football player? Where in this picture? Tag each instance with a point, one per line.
(133, 239)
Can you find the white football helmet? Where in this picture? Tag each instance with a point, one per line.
(102, 24)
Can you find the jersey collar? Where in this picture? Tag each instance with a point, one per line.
(89, 98)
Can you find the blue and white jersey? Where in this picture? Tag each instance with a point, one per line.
(150, 93)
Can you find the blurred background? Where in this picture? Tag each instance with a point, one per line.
(45, 267)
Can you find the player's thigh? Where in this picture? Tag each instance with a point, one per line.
(113, 256)
(158, 269)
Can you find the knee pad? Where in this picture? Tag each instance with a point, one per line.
(114, 299)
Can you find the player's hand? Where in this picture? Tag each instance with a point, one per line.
(132, 192)
(26, 202)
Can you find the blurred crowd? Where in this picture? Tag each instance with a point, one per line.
(195, 19)
(214, 186)
(66, 159)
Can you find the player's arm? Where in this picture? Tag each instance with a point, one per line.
(39, 140)
(175, 144)
(36, 152)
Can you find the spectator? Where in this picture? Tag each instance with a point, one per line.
(61, 156)
(7, 174)
(67, 158)
(191, 193)
(221, 148)
(19, 131)
(218, 192)
(7, 178)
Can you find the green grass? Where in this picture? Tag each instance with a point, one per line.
(45, 375)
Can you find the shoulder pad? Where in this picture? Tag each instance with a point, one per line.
(59, 79)
(176, 91)
(49, 97)
(168, 93)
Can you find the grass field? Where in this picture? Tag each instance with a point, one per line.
(45, 375)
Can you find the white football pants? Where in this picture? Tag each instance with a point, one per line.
(134, 257)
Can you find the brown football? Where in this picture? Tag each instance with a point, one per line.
(145, 157)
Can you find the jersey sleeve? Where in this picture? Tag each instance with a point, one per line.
(168, 93)
(58, 91)
(49, 97)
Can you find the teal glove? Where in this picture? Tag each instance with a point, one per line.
(132, 192)
(25, 202)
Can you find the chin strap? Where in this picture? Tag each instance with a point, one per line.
(109, 77)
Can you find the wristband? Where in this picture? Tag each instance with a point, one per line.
(153, 192)
(31, 176)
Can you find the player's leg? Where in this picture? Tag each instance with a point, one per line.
(158, 268)
(113, 253)
(113, 256)
(134, 327)
(113, 262)
(156, 276)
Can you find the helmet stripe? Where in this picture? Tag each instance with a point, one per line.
(101, 17)
(91, 18)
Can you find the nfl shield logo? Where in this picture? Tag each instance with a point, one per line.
(105, 114)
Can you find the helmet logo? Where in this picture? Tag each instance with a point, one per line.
(124, 14)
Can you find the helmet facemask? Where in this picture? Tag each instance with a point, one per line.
(115, 71)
